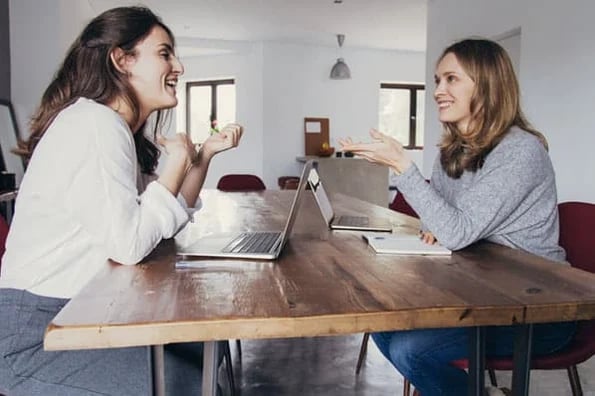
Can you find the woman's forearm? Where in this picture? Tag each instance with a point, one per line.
(195, 179)
(173, 174)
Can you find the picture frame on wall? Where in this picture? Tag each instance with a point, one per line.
(9, 135)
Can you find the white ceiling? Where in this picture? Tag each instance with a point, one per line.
(383, 24)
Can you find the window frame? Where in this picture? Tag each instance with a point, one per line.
(413, 88)
(213, 84)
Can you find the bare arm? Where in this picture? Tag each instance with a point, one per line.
(194, 179)
(181, 155)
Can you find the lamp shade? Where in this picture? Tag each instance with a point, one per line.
(340, 70)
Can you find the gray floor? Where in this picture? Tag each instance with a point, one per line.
(325, 366)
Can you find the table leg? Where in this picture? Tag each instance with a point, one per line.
(476, 361)
(209, 369)
(522, 360)
(157, 370)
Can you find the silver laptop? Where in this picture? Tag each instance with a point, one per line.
(344, 222)
(265, 245)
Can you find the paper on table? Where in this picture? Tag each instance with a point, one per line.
(403, 244)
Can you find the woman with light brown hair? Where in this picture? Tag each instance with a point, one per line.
(493, 181)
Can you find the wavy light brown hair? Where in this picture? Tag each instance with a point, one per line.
(87, 71)
(495, 107)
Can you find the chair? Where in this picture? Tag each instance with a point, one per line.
(240, 182)
(3, 235)
(288, 182)
(576, 219)
(398, 205)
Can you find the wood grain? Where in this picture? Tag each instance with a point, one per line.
(325, 283)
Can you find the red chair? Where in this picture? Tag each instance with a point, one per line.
(288, 182)
(3, 235)
(240, 182)
(400, 205)
(577, 219)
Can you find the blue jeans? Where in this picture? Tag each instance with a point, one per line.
(424, 356)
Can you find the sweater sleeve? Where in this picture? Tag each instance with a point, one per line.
(487, 200)
(143, 180)
(103, 196)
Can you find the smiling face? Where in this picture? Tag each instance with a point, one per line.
(153, 72)
(453, 93)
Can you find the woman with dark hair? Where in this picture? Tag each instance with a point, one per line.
(493, 180)
(90, 195)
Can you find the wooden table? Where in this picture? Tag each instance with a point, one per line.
(325, 283)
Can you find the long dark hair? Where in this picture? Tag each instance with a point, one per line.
(87, 71)
(495, 106)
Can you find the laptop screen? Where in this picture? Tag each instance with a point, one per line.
(321, 196)
(296, 202)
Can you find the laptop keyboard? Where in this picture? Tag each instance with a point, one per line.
(354, 221)
(252, 242)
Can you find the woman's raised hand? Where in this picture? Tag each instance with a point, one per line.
(383, 150)
(227, 138)
(178, 146)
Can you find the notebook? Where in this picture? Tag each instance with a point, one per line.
(343, 222)
(407, 244)
(265, 245)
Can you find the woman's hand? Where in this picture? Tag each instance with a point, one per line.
(178, 147)
(427, 237)
(181, 155)
(227, 138)
(382, 150)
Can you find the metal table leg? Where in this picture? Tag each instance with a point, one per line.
(476, 361)
(157, 370)
(209, 369)
(522, 360)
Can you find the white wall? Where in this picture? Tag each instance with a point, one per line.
(40, 33)
(297, 85)
(245, 66)
(278, 84)
(556, 62)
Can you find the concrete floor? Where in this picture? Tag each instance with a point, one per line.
(325, 366)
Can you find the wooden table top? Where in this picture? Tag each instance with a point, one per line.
(324, 283)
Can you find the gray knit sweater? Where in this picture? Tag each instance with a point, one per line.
(511, 200)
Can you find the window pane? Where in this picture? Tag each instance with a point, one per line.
(394, 114)
(420, 117)
(200, 113)
(226, 104)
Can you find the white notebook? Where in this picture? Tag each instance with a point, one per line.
(403, 244)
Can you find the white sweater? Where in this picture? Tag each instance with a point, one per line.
(78, 205)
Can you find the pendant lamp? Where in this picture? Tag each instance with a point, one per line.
(340, 70)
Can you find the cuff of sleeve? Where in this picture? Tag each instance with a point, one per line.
(190, 210)
(172, 214)
(408, 179)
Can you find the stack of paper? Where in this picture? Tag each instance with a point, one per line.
(403, 244)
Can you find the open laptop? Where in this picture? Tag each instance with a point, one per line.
(265, 245)
(344, 222)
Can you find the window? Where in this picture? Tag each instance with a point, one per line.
(401, 113)
(208, 101)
